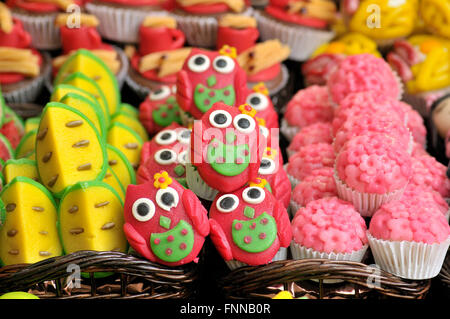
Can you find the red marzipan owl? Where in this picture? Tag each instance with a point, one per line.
(208, 77)
(159, 109)
(167, 151)
(164, 222)
(249, 225)
(227, 147)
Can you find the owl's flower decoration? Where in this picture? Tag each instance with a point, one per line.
(261, 121)
(259, 182)
(228, 51)
(247, 109)
(162, 180)
(261, 88)
(270, 153)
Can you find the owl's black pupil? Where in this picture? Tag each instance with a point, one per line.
(199, 60)
(255, 100)
(143, 209)
(167, 199)
(166, 136)
(220, 118)
(227, 203)
(221, 63)
(166, 155)
(254, 193)
(244, 123)
(265, 163)
(158, 91)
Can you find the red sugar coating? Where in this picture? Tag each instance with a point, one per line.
(405, 221)
(319, 184)
(329, 225)
(363, 72)
(372, 123)
(310, 158)
(368, 102)
(428, 172)
(312, 134)
(373, 164)
(309, 106)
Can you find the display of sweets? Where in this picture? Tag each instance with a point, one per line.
(224, 141)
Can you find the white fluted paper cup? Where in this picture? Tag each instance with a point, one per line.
(198, 185)
(120, 24)
(201, 30)
(42, 29)
(303, 41)
(409, 260)
(288, 131)
(365, 203)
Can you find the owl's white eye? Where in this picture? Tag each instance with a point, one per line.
(264, 131)
(258, 101)
(267, 166)
(160, 93)
(143, 209)
(220, 119)
(174, 89)
(244, 123)
(165, 156)
(199, 63)
(184, 136)
(167, 198)
(227, 203)
(166, 137)
(253, 195)
(223, 64)
(182, 157)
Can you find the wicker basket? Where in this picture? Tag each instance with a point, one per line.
(132, 277)
(308, 277)
(444, 275)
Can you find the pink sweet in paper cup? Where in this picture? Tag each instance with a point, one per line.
(319, 184)
(308, 159)
(329, 228)
(373, 123)
(429, 173)
(308, 106)
(363, 72)
(371, 170)
(422, 196)
(409, 240)
(417, 127)
(368, 102)
(312, 134)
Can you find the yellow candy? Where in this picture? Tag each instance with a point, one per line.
(335, 48)
(127, 141)
(384, 19)
(436, 16)
(121, 166)
(429, 45)
(29, 233)
(20, 167)
(283, 295)
(91, 218)
(68, 148)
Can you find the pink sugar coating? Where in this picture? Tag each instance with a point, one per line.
(375, 123)
(368, 103)
(404, 221)
(319, 184)
(363, 72)
(417, 127)
(428, 172)
(309, 158)
(373, 164)
(312, 134)
(423, 196)
(329, 225)
(309, 106)
(418, 150)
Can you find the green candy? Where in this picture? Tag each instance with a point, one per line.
(223, 158)
(168, 113)
(205, 97)
(255, 235)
